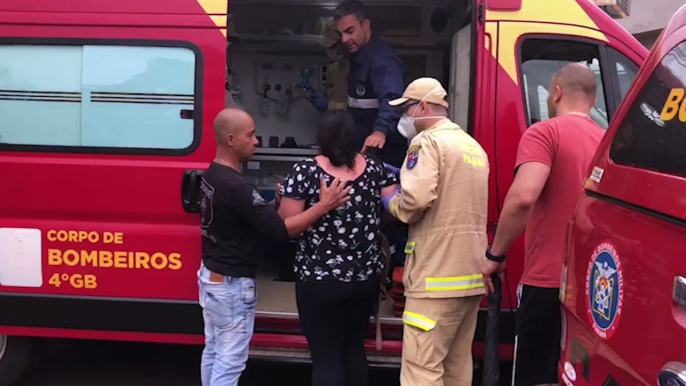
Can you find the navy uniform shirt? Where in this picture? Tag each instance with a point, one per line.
(375, 78)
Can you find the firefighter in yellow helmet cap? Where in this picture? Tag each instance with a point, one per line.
(443, 196)
(335, 96)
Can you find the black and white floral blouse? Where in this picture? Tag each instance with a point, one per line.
(345, 244)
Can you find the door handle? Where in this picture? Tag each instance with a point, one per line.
(672, 374)
(679, 290)
(190, 187)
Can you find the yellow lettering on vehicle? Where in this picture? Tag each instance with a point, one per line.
(89, 258)
(98, 257)
(174, 261)
(113, 238)
(116, 259)
(89, 282)
(55, 280)
(159, 261)
(105, 259)
(79, 248)
(142, 260)
(120, 259)
(75, 280)
(73, 236)
(54, 257)
(673, 105)
(70, 258)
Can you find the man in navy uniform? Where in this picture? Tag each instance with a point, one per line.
(374, 79)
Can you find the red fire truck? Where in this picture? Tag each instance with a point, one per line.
(106, 112)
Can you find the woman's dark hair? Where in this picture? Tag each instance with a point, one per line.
(337, 138)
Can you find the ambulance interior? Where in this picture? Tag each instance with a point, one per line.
(278, 44)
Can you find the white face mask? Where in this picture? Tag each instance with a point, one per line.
(406, 126)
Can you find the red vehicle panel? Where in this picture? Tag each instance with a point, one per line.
(110, 226)
(124, 6)
(625, 312)
(107, 237)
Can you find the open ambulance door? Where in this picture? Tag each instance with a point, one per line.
(472, 103)
(526, 43)
(471, 88)
(461, 66)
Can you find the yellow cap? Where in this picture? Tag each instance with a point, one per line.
(427, 89)
(327, 28)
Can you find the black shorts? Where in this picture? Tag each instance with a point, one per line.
(537, 337)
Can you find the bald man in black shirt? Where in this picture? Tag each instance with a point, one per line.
(233, 216)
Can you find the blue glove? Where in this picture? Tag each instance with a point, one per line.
(393, 169)
(386, 201)
(320, 102)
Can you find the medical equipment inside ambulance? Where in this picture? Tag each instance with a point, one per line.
(275, 62)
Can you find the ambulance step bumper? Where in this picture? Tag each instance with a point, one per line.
(303, 356)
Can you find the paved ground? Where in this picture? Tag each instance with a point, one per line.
(94, 363)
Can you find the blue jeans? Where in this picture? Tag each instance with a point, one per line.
(229, 315)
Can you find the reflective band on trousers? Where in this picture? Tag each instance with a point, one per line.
(454, 283)
(419, 321)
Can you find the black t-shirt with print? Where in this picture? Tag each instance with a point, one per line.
(233, 214)
(345, 244)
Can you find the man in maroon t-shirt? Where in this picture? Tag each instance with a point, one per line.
(552, 161)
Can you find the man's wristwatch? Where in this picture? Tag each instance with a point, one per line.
(492, 257)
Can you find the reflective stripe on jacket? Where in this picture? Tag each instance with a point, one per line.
(444, 199)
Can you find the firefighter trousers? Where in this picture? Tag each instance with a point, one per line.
(437, 341)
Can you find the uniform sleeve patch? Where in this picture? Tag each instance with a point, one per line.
(412, 158)
(411, 148)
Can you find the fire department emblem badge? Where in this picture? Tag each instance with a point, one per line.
(604, 290)
(412, 158)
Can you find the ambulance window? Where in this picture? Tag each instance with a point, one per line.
(652, 135)
(625, 71)
(98, 98)
(541, 59)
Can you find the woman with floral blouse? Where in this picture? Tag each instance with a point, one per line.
(338, 265)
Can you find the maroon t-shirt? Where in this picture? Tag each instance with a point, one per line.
(566, 144)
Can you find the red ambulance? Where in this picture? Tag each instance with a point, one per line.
(106, 112)
(623, 285)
